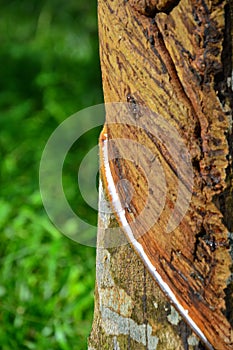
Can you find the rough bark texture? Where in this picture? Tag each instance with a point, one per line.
(173, 57)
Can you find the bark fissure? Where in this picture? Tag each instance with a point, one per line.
(149, 8)
(224, 201)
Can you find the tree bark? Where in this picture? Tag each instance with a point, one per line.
(155, 53)
(130, 310)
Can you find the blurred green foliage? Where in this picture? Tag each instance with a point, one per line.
(49, 70)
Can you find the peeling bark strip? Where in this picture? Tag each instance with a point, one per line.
(174, 58)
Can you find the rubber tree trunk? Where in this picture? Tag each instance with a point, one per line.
(175, 57)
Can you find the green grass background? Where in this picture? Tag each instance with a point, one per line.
(49, 66)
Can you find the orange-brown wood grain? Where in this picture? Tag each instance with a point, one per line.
(167, 62)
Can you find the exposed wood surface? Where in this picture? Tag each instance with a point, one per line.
(172, 60)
